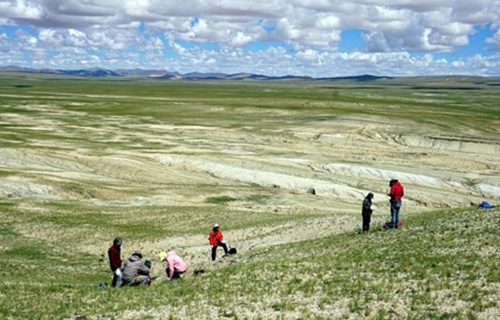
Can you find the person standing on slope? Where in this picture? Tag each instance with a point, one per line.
(216, 239)
(366, 212)
(396, 193)
(115, 261)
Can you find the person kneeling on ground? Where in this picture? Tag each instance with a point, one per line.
(175, 265)
(216, 240)
(135, 271)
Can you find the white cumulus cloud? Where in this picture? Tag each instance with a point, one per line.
(272, 37)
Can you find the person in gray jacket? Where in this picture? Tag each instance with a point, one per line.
(135, 271)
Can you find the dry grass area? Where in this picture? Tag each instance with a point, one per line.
(158, 164)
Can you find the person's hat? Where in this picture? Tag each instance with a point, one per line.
(216, 225)
(137, 253)
(117, 241)
(162, 255)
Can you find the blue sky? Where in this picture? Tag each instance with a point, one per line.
(319, 38)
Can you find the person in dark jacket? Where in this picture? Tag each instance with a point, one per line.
(366, 212)
(115, 261)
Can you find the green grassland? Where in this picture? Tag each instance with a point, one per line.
(441, 265)
(463, 103)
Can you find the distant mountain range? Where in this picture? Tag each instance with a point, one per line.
(167, 75)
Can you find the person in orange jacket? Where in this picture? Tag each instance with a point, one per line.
(216, 239)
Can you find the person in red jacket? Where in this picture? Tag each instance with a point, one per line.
(396, 193)
(115, 261)
(216, 239)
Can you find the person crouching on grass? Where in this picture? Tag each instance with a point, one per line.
(216, 240)
(135, 271)
(175, 265)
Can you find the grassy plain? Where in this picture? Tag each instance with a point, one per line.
(78, 166)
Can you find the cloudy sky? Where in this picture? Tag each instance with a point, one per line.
(320, 38)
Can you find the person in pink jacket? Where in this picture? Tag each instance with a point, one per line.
(175, 265)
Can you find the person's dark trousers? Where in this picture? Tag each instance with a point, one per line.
(214, 249)
(115, 279)
(366, 222)
(177, 274)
